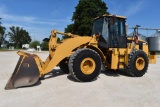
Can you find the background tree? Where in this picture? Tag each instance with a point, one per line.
(85, 12)
(44, 45)
(0, 21)
(2, 34)
(69, 28)
(47, 39)
(19, 36)
(34, 44)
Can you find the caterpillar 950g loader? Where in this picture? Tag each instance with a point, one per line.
(84, 56)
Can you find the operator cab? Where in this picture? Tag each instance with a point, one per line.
(111, 31)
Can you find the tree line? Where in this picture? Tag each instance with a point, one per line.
(17, 36)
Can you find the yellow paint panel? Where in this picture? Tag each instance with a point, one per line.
(122, 51)
(121, 59)
(145, 48)
(152, 58)
(114, 61)
(121, 66)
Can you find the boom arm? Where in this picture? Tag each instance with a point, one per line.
(57, 52)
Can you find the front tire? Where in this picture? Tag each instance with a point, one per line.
(85, 65)
(137, 64)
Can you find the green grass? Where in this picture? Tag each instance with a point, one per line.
(6, 49)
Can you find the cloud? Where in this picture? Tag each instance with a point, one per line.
(8, 17)
(127, 8)
(114, 7)
(134, 7)
(37, 27)
(24, 19)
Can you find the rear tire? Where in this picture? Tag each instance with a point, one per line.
(85, 65)
(137, 64)
(64, 66)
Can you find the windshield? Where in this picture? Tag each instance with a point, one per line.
(98, 26)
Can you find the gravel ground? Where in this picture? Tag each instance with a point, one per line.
(111, 89)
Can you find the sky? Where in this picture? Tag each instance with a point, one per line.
(39, 17)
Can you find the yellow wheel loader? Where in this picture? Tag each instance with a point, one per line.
(85, 56)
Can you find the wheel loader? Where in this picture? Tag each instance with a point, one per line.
(83, 57)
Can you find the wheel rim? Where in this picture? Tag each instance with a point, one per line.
(88, 66)
(140, 63)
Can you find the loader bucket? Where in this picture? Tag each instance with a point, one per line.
(26, 73)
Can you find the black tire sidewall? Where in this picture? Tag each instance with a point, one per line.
(132, 62)
(64, 66)
(77, 62)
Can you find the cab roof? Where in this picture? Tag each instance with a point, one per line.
(111, 15)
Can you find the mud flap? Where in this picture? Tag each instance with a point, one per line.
(26, 73)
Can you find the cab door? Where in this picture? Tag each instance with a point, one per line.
(117, 33)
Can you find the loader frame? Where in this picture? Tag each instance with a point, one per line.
(133, 56)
